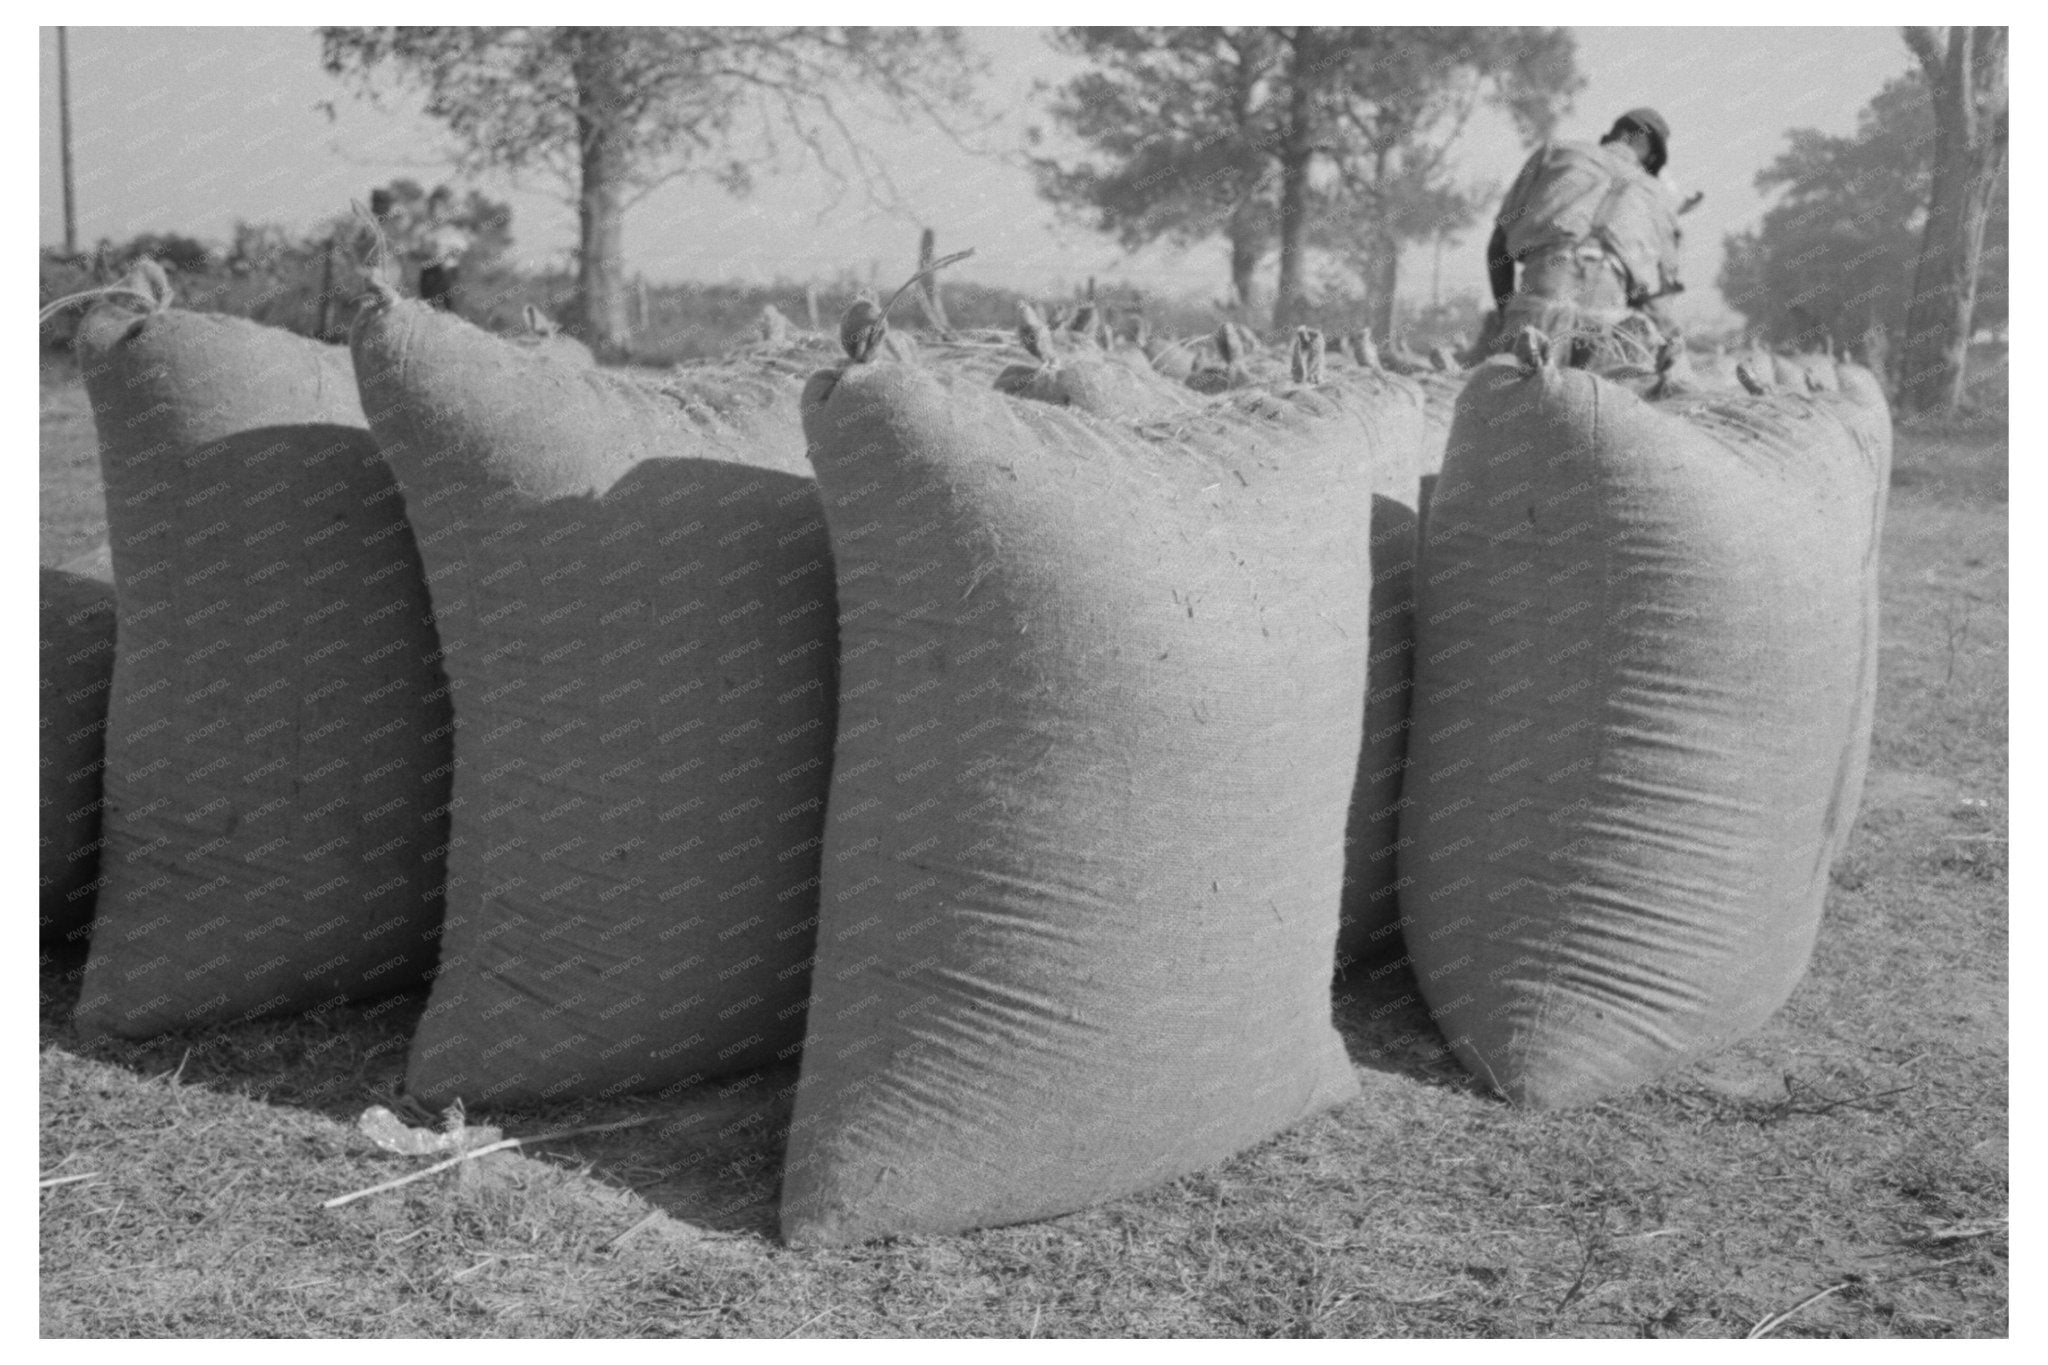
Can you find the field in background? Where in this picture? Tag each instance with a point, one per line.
(669, 322)
(1857, 1146)
(686, 321)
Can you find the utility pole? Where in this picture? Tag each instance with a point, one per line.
(64, 136)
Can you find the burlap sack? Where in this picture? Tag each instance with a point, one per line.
(1099, 725)
(1646, 652)
(635, 590)
(277, 730)
(76, 672)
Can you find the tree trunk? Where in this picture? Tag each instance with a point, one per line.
(600, 306)
(1969, 151)
(1382, 282)
(1939, 324)
(1290, 302)
(1246, 231)
(1245, 250)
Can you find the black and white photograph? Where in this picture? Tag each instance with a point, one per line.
(879, 683)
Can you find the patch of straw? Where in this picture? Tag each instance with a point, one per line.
(474, 1153)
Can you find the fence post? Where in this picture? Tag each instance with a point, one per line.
(811, 306)
(928, 287)
(326, 288)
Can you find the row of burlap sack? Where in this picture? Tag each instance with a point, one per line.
(473, 692)
(1613, 853)
(448, 661)
(614, 729)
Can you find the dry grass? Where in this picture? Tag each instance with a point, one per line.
(1857, 1146)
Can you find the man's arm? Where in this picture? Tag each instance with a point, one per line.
(1500, 267)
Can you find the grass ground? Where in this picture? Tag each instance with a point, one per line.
(1857, 1146)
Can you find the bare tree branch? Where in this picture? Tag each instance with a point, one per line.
(615, 113)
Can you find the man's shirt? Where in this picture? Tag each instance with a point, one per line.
(442, 245)
(1573, 192)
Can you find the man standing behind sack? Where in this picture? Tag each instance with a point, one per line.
(1595, 234)
(439, 249)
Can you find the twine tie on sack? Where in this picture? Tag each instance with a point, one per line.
(1532, 348)
(145, 282)
(1305, 360)
(1035, 334)
(866, 322)
(375, 265)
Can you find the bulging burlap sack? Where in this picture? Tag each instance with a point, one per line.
(1646, 651)
(77, 668)
(1099, 722)
(278, 718)
(635, 592)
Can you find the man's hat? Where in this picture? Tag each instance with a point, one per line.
(1651, 122)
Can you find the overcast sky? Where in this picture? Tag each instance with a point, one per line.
(190, 129)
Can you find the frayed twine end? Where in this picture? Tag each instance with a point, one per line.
(862, 328)
(1362, 349)
(866, 322)
(146, 282)
(540, 324)
(1532, 348)
(1753, 383)
(379, 271)
(1227, 345)
(1036, 335)
(1305, 358)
